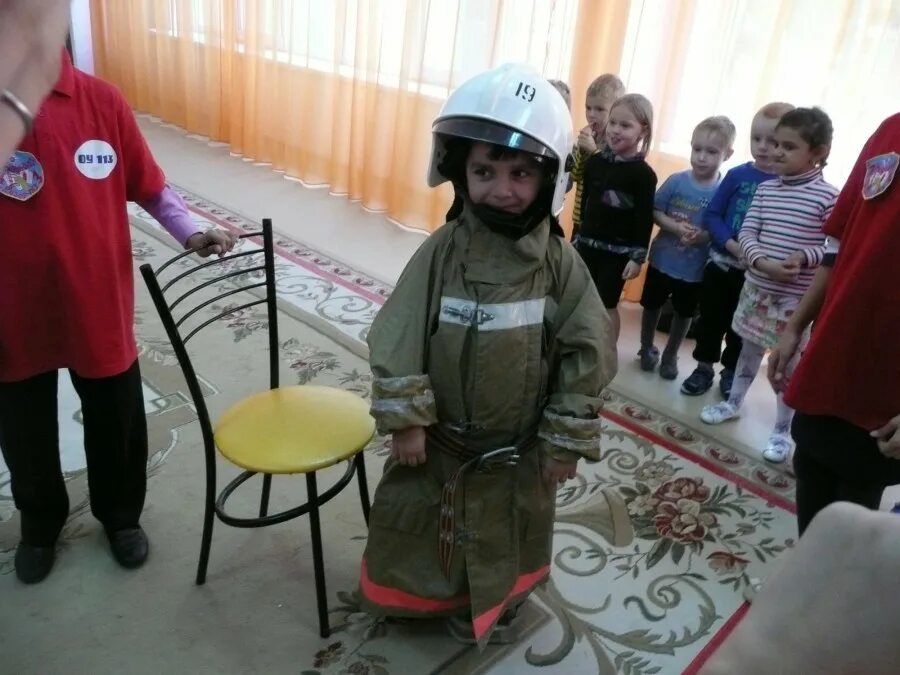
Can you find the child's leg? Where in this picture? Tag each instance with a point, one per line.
(616, 321)
(733, 282)
(716, 313)
(649, 322)
(715, 316)
(657, 288)
(685, 298)
(606, 270)
(677, 332)
(747, 368)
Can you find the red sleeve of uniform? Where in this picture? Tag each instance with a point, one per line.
(144, 179)
(852, 192)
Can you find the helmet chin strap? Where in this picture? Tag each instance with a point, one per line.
(512, 225)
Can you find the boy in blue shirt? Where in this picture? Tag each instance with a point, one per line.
(723, 277)
(679, 252)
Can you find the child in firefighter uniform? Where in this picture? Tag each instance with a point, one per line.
(489, 360)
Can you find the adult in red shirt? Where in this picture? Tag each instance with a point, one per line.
(846, 388)
(67, 301)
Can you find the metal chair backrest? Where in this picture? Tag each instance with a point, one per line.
(184, 310)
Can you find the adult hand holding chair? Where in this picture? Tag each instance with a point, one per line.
(298, 429)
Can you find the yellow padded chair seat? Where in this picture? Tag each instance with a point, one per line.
(294, 429)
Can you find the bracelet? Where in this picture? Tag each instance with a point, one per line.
(14, 102)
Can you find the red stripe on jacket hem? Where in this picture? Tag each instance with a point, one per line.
(386, 596)
(524, 583)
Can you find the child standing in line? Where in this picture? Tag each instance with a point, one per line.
(783, 241)
(723, 277)
(678, 254)
(617, 202)
(601, 94)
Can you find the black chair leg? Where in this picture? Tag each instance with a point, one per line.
(360, 461)
(318, 561)
(208, 522)
(264, 500)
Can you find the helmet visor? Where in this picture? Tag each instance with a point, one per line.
(491, 132)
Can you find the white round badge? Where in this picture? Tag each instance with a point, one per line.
(96, 159)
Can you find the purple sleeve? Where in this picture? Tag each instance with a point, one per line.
(170, 211)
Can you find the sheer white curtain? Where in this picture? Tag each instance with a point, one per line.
(695, 58)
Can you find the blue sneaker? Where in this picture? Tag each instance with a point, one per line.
(668, 369)
(698, 383)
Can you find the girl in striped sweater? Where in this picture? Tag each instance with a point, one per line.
(782, 242)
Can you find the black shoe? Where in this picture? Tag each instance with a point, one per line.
(698, 382)
(129, 546)
(33, 563)
(649, 359)
(726, 379)
(668, 370)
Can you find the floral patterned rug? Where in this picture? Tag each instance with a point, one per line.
(654, 544)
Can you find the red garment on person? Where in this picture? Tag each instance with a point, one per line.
(66, 273)
(851, 368)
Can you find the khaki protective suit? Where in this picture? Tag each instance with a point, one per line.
(489, 343)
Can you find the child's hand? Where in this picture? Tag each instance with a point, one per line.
(698, 238)
(557, 472)
(780, 357)
(778, 271)
(586, 140)
(734, 249)
(632, 269)
(206, 243)
(685, 230)
(689, 234)
(786, 273)
(408, 446)
(888, 438)
(795, 259)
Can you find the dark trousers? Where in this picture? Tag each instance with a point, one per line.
(115, 445)
(720, 291)
(837, 461)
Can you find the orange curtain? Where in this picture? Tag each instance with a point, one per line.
(339, 93)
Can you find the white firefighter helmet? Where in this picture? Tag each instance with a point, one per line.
(513, 106)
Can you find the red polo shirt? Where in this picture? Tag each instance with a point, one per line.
(851, 368)
(66, 277)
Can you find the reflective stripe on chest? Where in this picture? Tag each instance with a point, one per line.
(492, 317)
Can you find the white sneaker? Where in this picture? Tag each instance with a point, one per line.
(778, 448)
(718, 413)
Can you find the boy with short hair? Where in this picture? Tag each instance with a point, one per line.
(601, 94)
(679, 252)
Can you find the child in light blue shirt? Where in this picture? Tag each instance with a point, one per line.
(680, 250)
